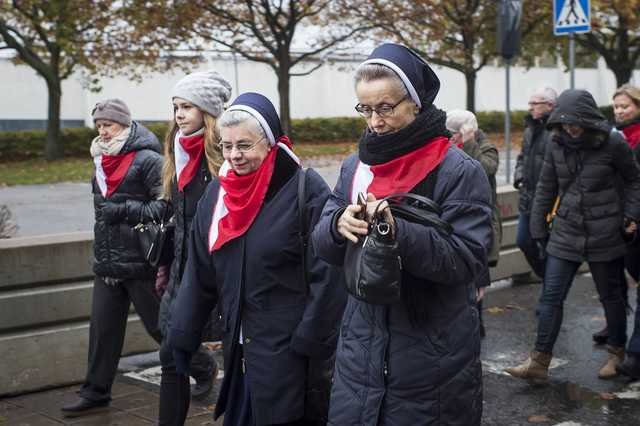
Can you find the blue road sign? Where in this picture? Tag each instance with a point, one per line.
(571, 16)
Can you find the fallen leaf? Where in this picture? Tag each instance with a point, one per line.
(514, 307)
(607, 396)
(538, 419)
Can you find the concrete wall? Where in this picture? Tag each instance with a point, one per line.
(46, 287)
(324, 93)
(45, 303)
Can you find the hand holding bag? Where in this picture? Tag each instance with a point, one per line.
(156, 240)
(373, 267)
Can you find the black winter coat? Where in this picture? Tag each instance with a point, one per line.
(388, 371)
(535, 140)
(116, 250)
(257, 280)
(184, 207)
(589, 221)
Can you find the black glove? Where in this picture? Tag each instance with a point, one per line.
(114, 212)
(182, 360)
(542, 248)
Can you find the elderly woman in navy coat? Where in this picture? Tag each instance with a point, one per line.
(415, 362)
(246, 254)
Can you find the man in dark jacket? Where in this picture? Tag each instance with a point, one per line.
(126, 191)
(528, 166)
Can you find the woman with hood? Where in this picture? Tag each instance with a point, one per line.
(248, 254)
(192, 157)
(416, 361)
(127, 190)
(579, 177)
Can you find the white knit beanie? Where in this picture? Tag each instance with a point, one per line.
(207, 90)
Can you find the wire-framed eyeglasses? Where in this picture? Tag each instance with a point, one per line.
(242, 147)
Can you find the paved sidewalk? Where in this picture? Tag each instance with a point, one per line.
(573, 397)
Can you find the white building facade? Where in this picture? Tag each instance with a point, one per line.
(327, 92)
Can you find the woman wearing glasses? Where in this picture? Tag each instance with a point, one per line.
(191, 157)
(281, 305)
(415, 362)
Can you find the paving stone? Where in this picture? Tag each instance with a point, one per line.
(205, 419)
(135, 400)
(10, 413)
(31, 420)
(112, 417)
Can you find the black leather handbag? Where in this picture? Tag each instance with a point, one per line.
(373, 266)
(156, 240)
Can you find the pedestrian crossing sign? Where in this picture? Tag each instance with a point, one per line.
(571, 16)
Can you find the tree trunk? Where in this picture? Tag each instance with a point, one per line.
(283, 92)
(623, 74)
(470, 78)
(53, 149)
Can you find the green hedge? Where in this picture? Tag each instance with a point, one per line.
(30, 144)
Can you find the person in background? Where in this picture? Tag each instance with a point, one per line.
(247, 252)
(192, 157)
(463, 126)
(127, 190)
(416, 361)
(581, 168)
(626, 108)
(535, 140)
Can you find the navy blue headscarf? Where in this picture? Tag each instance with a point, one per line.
(261, 108)
(418, 77)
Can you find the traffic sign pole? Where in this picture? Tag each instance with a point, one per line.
(572, 59)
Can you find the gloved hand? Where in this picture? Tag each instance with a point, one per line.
(542, 248)
(114, 212)
(182, 360)
(162, 280)
(517, 183)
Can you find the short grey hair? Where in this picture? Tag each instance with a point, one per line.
(371, 72)
(462, 121)
(238, 117)
(547, 93)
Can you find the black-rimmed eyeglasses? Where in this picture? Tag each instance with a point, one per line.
(383, 110)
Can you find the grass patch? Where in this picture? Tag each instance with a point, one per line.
(39, 171)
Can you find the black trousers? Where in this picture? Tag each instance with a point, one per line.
(175, 392)
(109, 312)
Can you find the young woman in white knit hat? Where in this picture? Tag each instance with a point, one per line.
(192, 157)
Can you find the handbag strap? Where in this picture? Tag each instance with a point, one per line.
(303, 233)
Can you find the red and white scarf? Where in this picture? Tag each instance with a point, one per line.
(111, 170)
(400, 174)
(240, 198)
(188, 152)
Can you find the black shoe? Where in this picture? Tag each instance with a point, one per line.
(204, 385)
(525, 279)
(601, 337)
(630, 367)
(84, 407)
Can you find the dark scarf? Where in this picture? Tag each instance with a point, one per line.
(378, 149)
(590, 139)
(373, 150)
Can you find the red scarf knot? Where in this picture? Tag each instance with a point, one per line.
(188, 152)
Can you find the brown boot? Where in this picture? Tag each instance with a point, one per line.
(616, 357)
(535, 368)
